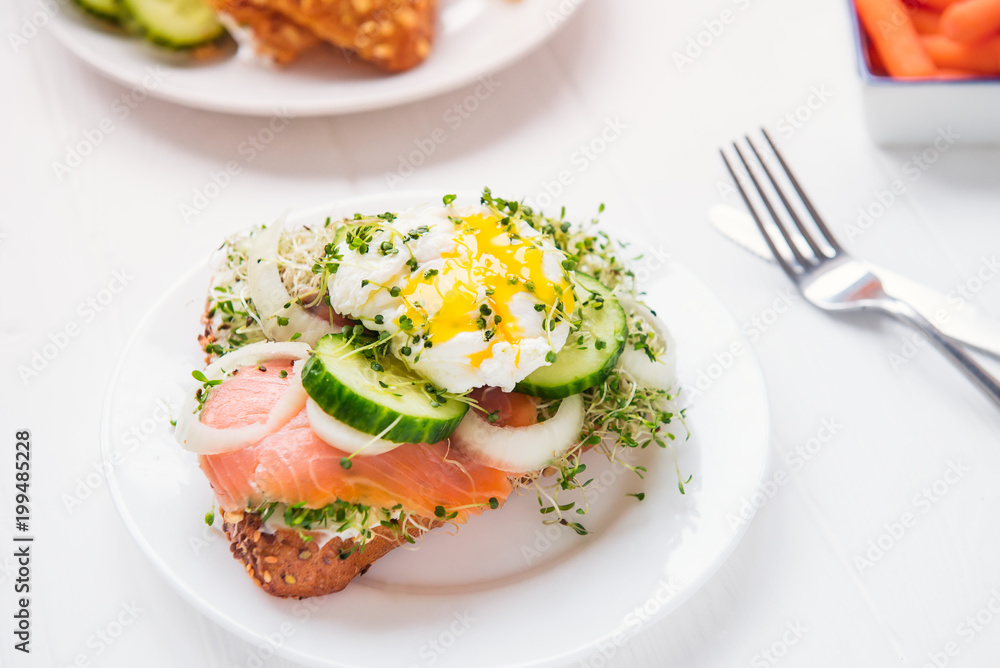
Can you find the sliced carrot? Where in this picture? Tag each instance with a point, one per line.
(971, 20)
(890, 29)
(955, 73)
(937, 4)
(926, 21)
(982, 57)
(875, 64)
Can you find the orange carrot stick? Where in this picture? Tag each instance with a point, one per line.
(875, 64)
(926, 21)
(971, 20)
(982, 57)
(954, 73)
(891, 31)
(937, 4)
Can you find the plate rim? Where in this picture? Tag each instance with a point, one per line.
(688, 588)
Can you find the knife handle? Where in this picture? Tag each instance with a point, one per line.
(965, 362)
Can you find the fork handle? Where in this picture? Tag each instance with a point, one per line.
(976, 373)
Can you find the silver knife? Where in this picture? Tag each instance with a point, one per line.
(962, 322)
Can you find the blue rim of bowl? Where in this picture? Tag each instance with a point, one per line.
(868, 77)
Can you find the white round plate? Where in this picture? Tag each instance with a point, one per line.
(505, 590)
(475, 38)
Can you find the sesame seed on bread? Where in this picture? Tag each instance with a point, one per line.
(283, 564)
(395, 35)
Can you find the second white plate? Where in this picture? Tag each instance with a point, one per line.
(476, 38)
(504, 591)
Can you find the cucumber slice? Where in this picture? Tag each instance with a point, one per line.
(177, 24)
(109, 10)
(580, 366)
(342, 382)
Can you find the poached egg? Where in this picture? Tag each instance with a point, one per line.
(470, 297)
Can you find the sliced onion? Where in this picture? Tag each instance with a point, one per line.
(196, 436)
(343, 437)
(270, 296)
(521, 449)
(257, 353)
(658, 375)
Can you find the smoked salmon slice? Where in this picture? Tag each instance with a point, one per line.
(512, 408)
(292, 465)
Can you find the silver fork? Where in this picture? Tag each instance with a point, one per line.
(819, 267)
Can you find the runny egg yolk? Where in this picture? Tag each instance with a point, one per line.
(478, 281)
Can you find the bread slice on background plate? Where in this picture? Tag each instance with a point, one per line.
(394, 35)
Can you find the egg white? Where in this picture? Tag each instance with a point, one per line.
(446, 364)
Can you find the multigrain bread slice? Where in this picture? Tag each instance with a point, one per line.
(283, 564)
(274, 35)
(395, 35)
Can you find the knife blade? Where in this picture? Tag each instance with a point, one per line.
(961, 321)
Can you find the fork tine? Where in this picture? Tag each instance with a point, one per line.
(806, 234)
(820, 224)
(791, 271)
(802, 261)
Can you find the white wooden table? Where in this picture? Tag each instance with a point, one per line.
(878, 543)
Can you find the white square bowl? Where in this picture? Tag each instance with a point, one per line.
(920, 112)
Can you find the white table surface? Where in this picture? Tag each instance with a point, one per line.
(897, 432)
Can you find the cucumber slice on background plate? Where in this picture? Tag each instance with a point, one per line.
(581, 366)
(342, 382)
(177, 24)
(108, 10)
